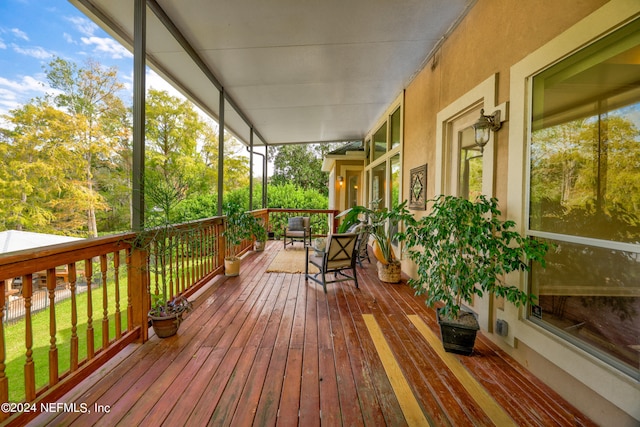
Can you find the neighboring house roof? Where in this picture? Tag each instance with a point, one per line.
(15, 240)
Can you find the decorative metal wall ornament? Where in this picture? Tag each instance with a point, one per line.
(418, 188)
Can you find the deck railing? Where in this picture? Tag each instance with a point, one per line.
(80, 303)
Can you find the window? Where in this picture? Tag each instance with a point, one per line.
(383, 174)
(380, 142)
(395, 128)
(470, 170)
(584, 197)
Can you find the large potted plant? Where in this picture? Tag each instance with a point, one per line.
(382, 225)
(461, 249)
(166, 313)
(238, 226)
(259, 233)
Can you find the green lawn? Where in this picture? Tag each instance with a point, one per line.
(15, 337)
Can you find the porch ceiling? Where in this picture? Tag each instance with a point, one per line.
(297, 71)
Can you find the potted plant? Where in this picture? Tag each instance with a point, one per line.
(238, 226)
(159, 241)
(259, 234)
(382, 225)
(463, 249)
(166, 316)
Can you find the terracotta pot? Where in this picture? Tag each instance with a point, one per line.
(232, 266)
(166, 326)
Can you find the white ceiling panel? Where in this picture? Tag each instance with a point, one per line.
(297, 71)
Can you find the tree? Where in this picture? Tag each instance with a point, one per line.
(301, 165)
(236, 164)
(31, 174)
(90, 96)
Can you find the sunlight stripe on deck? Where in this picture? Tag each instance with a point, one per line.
(484, 400)
(408, 403)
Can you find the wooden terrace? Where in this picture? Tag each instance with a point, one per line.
(268, 349)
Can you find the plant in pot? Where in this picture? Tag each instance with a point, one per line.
(259, 233)
(166, 313)
(463, 249)
(382, 224)
(238, 226)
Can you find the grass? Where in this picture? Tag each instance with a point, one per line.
(14, 334)
(15, 337)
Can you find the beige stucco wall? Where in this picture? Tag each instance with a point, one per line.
(495, 35)
(492, 37)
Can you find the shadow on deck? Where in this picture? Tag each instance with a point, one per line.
(268, 349)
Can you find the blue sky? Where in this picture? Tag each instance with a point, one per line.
(33, 32)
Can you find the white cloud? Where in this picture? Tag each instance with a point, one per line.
(83, 25)
(2, 44)
(35, 52)
(14, 93)
(68, 38)
(108, 46)
(19, 34)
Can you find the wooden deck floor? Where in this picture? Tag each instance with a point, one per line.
(268, 349)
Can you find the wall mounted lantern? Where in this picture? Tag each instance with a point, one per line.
(340, 179)
(484, 126)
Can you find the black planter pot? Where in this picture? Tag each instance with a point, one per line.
(456, 337)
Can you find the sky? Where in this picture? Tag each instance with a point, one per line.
(34, 32)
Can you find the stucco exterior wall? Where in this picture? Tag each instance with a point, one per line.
(495, 35)
(492, 37)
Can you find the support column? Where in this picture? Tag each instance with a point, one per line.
(251, 169)
(139, 64)
(221, 152)
(264, 176)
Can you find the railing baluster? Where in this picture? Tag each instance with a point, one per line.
(116, 278)
(88, 272)
(74, 318)
(172, 240)
(105, 302)
(29, 367)
(182, 263)
(4, 381)
(53, 349)
(156, 267)
(129, 290)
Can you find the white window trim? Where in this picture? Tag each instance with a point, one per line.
(610, 383)
(483, 95)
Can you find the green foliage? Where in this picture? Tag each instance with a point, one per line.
(290, 196)
(238, 226)
(462, 248)
(301, 165)
(196, 207)
(380, 222)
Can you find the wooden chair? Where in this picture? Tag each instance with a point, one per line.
(298, 228)
(339, 258)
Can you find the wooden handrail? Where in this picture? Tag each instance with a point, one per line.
(94, 270)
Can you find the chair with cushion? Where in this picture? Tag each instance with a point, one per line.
(338, 258)
(362, 252)
(298, 228)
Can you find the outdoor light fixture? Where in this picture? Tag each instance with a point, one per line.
(484, 126)
(340, 179)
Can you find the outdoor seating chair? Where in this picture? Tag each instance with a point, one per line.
(362, 251)
(338, 258)
(298, 228)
